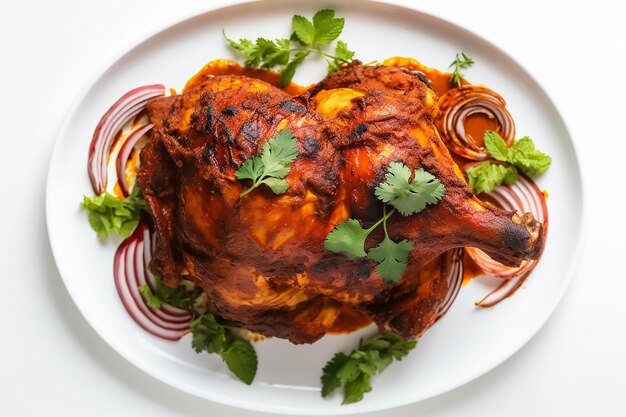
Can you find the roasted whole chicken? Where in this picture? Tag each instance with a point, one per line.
(261, 258)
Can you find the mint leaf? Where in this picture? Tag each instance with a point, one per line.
(522, 156)
(327, 27)
(485, 177)
(526, 157)
(241, 359)
(496, 146)
(304, 30)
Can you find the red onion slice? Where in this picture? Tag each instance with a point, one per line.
(458, 104)
(120, 113)
(124, 154)
(129, 271)
(524, 196)
(454, 279)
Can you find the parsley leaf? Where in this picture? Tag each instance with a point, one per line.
(272, 165)
(354, 371)
(409, 197)
(459, 63)
(309, 37)
(108, 213)
(210, 336)
(522, 155)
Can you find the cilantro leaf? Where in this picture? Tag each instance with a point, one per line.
(186, 296)
(108, 213)
(409, 197)
(238, 354)
(348, 238)
(356, 389)
(354, 371)
(207, 334)
(459, 63)
(496, 146)
(289, 70)
(392, 258)
(272, 165)
(241, 360)
(485, 177)
(342, 52)
(526, 157)
(327, 27)
(330, 380)
(303, 29)
(310, 37)
(272, 53)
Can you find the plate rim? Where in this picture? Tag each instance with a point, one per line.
(219, 5)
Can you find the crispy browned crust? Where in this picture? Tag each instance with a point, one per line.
(260, 258)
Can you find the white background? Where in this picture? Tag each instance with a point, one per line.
(53, 364)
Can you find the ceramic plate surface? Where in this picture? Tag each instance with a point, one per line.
(465, 344)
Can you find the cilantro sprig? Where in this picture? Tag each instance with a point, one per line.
(272, 165)
(355, 370)
(307, 37)
(107, 213)
(208, 334)
(521, 156)
(404, 195)
(211, 336)
(459, 63)
(187, 296)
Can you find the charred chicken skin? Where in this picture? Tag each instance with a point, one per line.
(261, 258)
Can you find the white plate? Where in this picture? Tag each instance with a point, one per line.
(465, 344)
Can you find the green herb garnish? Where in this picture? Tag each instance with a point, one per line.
(187, 296)
(108, 213)
(522, 156)
(272, 165)
(459, 63)
(407, 197)
(307, 37)
(210, 336)
(354, 371)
